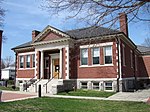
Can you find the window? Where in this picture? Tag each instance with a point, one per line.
(21, 62)
(108, 85)
(123, 54)
(84, 56)
(131, 53)
(28, 61)
(108, 54)
(95, 85)
(136, 62)
(83, 85)
(95, 55)
(33, 60)
(46, 63)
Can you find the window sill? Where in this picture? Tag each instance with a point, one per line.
(82, 66)
(26, 68)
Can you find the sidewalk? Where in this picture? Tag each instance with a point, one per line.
(8, 96)
(139, 96)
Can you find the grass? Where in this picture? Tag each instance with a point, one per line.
(87, 93)
(9, 88)
(46, 104)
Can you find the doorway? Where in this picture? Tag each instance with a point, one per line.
(55, 68)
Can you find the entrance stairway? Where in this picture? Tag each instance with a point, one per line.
(47, 85)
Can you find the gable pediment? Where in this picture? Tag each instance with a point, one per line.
(49, 34)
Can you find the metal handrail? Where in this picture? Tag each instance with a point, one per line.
(29, 81)
(49, 81)
(36, 84)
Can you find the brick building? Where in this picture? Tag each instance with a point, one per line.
(89, 58)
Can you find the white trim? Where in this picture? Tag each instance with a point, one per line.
(111, 55)
(25, 78)
(53, 56)
(97, 45)
(123, 55)
(51, 46)
(129, 78)
(26, 68)
(97, 79)
(27, 53)
(97, 65)
(120, 70)
(60, 63)
(35, 63)
(143, 78)
(131, 58)
(92, 55)
(67, 71)
(42, 64)
(51, 29)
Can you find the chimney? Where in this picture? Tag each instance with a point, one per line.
(34, 34)
(1, 31)
(123, 23)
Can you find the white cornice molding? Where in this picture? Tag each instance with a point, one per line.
(50, 42)
(49, 28)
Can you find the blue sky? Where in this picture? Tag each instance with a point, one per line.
(23, 16)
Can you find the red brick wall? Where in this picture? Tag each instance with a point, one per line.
(144, 66)
(51, 36)
(24, 72)
(127, 70)
(94, 72)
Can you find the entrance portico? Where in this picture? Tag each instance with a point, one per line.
(51, 61)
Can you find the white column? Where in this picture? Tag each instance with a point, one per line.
(35, 72)
(42, 64)
(67, 48)
(60, 64)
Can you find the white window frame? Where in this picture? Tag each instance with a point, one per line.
(33, 60)
(84, 86)
(123, 55)
(95, 87)
(92, 49)
(131, 58)
(109, 86)
(108, 55)
(81, 57)
(28, 61)
(21, 61)
(135, 62)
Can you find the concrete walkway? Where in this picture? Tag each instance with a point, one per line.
(8, 96)
(139, 96)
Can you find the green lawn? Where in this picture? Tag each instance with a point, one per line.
(9, 88)
(90, 93)
(46, 104)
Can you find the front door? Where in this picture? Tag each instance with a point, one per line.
(46, 68)
(56, 68)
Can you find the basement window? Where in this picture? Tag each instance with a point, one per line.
(108, 85)
(96, 85)
(83, 85)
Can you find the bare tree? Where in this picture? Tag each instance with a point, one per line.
(8, 61)
(2, 64)
(100, 12)
(2, 13)
(147, 42)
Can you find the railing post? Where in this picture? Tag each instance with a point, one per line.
(39, 92)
